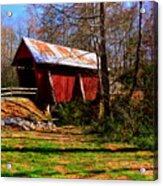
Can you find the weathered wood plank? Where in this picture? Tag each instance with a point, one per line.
(18, 88)
(15, 91)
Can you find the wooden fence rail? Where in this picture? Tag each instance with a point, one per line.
(25, 92)
(18, 91)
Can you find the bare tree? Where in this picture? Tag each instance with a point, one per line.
(8, 46)
(137, 60)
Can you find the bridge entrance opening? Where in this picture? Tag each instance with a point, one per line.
(26, 74)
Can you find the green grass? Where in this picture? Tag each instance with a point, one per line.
(71, 154)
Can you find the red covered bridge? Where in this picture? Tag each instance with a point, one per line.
(60, 73)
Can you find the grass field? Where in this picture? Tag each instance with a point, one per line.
(69, 153)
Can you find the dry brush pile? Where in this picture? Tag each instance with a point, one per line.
(23, 114)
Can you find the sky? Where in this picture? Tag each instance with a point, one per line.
(18, 12)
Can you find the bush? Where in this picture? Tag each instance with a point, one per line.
(136, 121)
(75, 113)
(133, 123)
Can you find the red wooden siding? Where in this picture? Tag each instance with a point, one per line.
(90, 85)
(43, 85)
(63, 87)
(23, 52)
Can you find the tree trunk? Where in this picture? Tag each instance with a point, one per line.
(137, 61)
(104, 65)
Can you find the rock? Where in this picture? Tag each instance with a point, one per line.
(2, 123)
(21, 123)
(50, 124)
(13, 120)
(25, 128)
(7, 122)
(55, 126)
(29, 125)
(38, 123)
(32, 126)
(18, 119)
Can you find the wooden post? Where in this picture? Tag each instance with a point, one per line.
(82, 88)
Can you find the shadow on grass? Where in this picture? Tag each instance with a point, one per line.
(43, 173)
(36, 173)
(96, 171)
(130, 169)
(68, 150)
(87, 172)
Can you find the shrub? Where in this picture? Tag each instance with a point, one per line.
(133, 123)
(75, 113)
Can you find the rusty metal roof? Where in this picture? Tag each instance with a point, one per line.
(47, 53)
